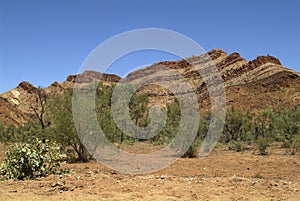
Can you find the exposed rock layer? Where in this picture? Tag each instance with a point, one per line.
(250, 86)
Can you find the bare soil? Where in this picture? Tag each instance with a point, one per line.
(224, 175)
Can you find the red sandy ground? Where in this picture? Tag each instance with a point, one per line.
(224, 175)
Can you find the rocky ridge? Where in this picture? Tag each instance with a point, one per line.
(250, 86)
(16, 104)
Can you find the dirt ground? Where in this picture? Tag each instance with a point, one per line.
(224, 175)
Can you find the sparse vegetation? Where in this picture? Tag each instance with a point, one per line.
(240, 130)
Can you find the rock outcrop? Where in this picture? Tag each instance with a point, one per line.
(250, 86)
(16, 104)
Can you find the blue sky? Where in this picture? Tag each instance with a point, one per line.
(44, 41)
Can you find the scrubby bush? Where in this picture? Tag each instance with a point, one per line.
(63, 130)
(262, 144)
(30, 160)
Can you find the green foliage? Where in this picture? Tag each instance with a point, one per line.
(261, 129)
(238, 127)
(31, 160)
(288, 126)
(171, 128)
(138, 109)
(104, 115)
(234, 126)
(29, 131)
(23, 133)
(8, 134)
(63, 130)
(262, 144)
(240, 130)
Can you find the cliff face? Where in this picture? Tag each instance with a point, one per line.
(250, 86)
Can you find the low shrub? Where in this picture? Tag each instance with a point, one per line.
(30, 160)
(262, 144)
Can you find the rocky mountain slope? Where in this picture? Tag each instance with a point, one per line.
(259, 84)
(250, 86)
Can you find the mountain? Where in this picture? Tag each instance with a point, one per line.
(255, 85)
(262, 83)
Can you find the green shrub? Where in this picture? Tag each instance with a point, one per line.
(262, 144)
(30, 160)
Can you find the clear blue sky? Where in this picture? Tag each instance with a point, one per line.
(44, 41)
